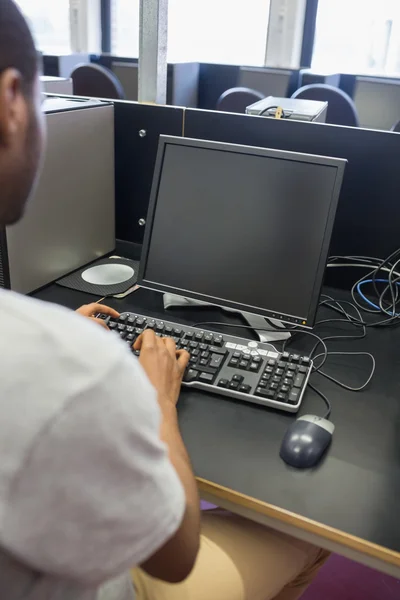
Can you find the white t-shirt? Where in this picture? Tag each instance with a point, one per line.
(86, 487)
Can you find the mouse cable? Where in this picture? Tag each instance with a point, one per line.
(271, 330)
(344, 385)
(327, 415)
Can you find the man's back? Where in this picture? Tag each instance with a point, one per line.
(83, 472)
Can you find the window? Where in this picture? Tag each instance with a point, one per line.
(219, 31)
(125, 28)
(49, 21)
(358, 36)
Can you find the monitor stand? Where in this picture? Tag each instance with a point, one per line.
(257, 322)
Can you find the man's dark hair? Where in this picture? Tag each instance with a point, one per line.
(17, 48)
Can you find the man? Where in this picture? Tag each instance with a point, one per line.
(94, 476)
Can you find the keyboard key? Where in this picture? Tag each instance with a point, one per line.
(279, 372)
(269, 370)
(122, 335)
(266, 377)
(271, 362)
(121, 327)
(243, 364)
(306, 361)
(285, 389)
(289, 375)
(217, 350)
(216, 360)
(168, 330)
(295, 358)
(237, 355)
(257, 359)
(218, 340)
(193, 345)
(238, 378)
(139, 331)
(177, 332)
(209, 338)
(190, 375)
(262, 384)
(245, 389)
(298, 382)
(292, 367)
(198, 336)
(123, 318)
(206, 377)
(285, 356)
(130, 321)
(193, 360)
(205, 354)
(184, 344)
(112, 325)
(189, 335)
(140, 321)
(294, 396)
(195, 352)
(203, 347)
(130, 337)
(246, 358)
(203, 362)
(234, 385)
(282, 364)
(233, 362)
(273, 386)
(303, 370)
(264, 393)
(160, 326)
(281, 398)
(151, 324)
(287, 381)
(254, 367)
(276, 379)
(223, 383)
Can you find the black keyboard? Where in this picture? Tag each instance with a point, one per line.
(228, 365)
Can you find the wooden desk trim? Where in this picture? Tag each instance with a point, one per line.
(293, 520)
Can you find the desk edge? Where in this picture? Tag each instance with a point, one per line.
(323, 531)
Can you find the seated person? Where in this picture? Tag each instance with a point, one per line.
(95, 479)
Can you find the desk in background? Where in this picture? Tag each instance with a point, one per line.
(349, 503)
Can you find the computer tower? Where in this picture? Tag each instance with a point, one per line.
(293, 109)
(70, 218)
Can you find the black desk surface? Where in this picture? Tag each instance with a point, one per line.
(355, 490)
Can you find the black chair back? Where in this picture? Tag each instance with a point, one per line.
(96, 81)
(341, 108)
(237, 99)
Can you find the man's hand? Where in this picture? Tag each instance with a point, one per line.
(164, 365)
(90, 310)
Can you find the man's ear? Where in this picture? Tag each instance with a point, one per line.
(12, 105)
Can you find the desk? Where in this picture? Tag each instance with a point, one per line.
(348, 504)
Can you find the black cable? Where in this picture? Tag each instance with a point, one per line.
(265, 110)
(325, 399)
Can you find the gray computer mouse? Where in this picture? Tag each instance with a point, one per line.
(305, 441)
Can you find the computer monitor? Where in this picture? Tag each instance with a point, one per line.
(241, 227)
(270, 82)
(377, 102)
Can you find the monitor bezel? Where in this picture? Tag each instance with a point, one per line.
(338, 163)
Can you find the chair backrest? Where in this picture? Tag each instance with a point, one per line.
(396, 127)
(237, 99)
(341, 108)
(96, 81)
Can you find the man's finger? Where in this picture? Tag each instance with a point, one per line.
(104, 310)
(183, 358)
(170, 346)
(146, 341)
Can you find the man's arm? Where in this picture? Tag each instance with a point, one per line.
(165, 368)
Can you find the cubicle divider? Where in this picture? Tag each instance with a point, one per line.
(137, 130)
(368, 216)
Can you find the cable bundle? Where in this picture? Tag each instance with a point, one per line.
(377, 292)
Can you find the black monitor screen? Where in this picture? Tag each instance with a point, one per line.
(241, 227)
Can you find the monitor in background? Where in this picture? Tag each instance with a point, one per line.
(241, 227)
(270, 82)
(128, 74)
(377, 102)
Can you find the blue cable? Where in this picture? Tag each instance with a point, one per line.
(363, 297)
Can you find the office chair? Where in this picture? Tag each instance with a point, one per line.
(96, 81)
(341, 108)
(237, 99)
(396, 127)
